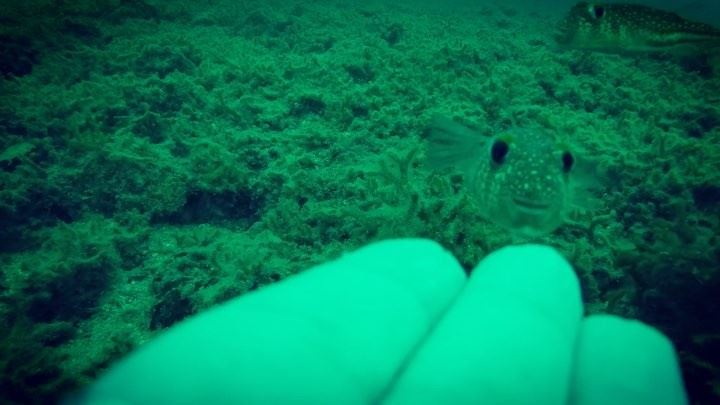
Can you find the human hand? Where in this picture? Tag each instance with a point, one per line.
(398, 322)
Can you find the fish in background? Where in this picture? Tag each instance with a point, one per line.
(521, 179)
(633, 28)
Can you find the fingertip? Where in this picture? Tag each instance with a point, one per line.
(623, 361)
(515, 321)
(335, 333)
(536, 275)
(409, 257)
(415, 256)
(527, 260)
(422, 266)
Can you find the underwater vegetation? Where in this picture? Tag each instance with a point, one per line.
(159, 158)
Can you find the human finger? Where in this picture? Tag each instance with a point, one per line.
(620, 361)
(507, 339)
(333, 334)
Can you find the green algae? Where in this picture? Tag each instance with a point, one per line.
(158, 160)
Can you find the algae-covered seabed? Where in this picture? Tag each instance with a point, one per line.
(157, 160)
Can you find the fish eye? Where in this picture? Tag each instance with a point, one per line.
(499, 150)
(596, 11)
(567, 160)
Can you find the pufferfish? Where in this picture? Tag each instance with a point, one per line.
(634, 28)
(521, 179)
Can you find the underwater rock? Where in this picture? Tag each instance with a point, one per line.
(17, 56)
(706, 196)
(171, 308)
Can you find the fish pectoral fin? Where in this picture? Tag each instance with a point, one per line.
(452, 145)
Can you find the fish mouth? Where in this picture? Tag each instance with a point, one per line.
(530, 205)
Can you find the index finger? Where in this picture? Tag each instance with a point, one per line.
(508, 338)
(333, 334)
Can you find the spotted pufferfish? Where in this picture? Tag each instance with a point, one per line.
(520, 179)
(634, 28)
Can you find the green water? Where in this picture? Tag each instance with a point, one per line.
(159, 158)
